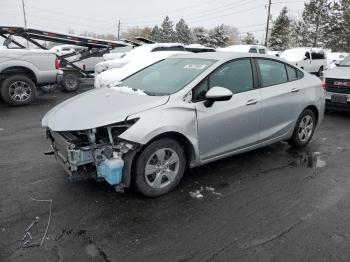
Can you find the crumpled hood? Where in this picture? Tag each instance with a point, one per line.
(98, 108)
(338, 72)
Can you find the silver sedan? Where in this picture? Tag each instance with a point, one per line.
(182, 112)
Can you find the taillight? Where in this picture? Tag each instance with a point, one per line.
(324, 85)
(57, 63)
(84, 67)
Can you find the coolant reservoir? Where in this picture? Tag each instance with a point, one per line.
(111, 170)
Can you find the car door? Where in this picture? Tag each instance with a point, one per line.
(308, 63)
(230, 125)
(281, 97)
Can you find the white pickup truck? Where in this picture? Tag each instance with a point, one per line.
(312, 60)
(22, 71)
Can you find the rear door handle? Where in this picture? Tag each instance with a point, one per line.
(252, 102)
(295, 90)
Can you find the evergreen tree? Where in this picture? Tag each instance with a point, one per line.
(280, 33)
(167, 33)
(201, 36)
(233, 35)
(218, 37)
(155, 34)
(183, 32)
(315, 17)
(337, 29)
(249, 39)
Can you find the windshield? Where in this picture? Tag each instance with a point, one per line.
(345, 62)
(168, 76)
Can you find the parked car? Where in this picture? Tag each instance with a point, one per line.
(245, 49)
(181, 112)
(87, 64)
(22, 71)
(114, 76)
(137, 53)
(198, 48)
(312, 60)
(337, 85)
(335, 58)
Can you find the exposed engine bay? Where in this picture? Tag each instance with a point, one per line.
(96, 153)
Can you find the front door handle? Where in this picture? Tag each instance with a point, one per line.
(252, 102)
(295, 90)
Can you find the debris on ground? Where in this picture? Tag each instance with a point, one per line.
(27, 240)
(197, 194)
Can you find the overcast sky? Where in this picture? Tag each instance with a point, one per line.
(101, 16)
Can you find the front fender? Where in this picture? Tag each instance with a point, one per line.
(177, 118)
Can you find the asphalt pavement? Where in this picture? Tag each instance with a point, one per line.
(272, 204)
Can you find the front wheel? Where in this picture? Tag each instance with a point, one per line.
(160, 167)
(304, 129)
(18, 90)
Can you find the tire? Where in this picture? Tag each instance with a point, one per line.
(159, 180)
(70, 82)
(18, 90)
(304, 129)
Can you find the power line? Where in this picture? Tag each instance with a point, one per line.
(180, 9)
(203, 12)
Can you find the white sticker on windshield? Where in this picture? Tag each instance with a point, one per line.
(195, 66)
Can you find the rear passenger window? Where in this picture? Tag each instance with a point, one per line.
(272, 72)
(292, 73)
(253, 50)
(262, 51)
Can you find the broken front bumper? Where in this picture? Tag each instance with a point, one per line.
(80, 162)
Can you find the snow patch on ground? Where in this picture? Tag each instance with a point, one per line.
(320, 163)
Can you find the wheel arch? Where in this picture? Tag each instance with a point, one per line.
(18, 70)
(314, 109)
(188, 146)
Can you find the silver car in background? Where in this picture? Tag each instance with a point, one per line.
(184, 112)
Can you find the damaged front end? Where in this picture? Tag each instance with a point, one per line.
(96, 153)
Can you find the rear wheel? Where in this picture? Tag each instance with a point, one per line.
(70, 82)
(160, 167)
(18, 90)
(304, 129)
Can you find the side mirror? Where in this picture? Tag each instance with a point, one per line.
(306, 58)
(217, 94)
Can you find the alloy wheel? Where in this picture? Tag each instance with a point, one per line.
(306, 127)
(162, 168)
(20, 91)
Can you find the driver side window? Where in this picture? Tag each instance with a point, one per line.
(237, 76)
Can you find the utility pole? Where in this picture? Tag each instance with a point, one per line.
(118, 30)
(25, 19)
(268, 23)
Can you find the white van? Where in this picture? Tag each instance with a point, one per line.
(312, 60)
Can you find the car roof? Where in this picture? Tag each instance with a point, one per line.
(225, 56)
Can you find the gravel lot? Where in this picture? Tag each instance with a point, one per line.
(272, 204)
